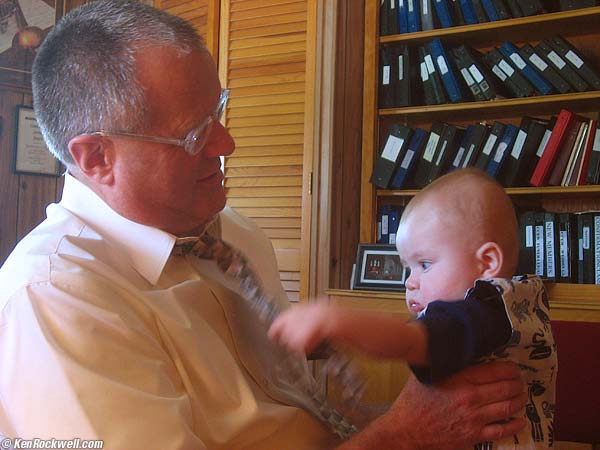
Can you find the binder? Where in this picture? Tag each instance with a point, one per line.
(573, 169)
(551, 251)
(587, 151)
(572, 55)
(544, 166)
(426, 81)
(593, 170)
(427, 22)
(459, 18)
(586, 224)
(539, 232)
(539, 82)
(388, 22)
(414, 16)
(413, 153)
(468, 12)
(490, 145)
(531, 7)
(510, 78)
(549, 73)
(490, 10)
(393, 151)
(402, 14)
(393, 222)
(565, 70)
(567, 248)
(475, 143)
(443, 13)
(445, 151)
(462, 150)
(567, 5)
(522, 159)
(466, 60)
(501, 9)
(503, 148)
(479, 11)
(386, 86)
(445, 68)
(462, 67)
(565, 149)
(515, 9)
(401, 77)
(426, 162)
(435, 77)
(526, 243)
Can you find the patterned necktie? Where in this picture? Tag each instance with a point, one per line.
(236, 268)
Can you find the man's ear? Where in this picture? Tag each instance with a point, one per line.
(490, 259)
(94, 156)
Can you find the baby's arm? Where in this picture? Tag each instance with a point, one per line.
(303, 328)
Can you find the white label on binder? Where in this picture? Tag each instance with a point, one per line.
(392, 148)
(498, 71)
(529, 236)
(543, 144)
(411, 7)
(425, 7)
(407, 159)
(431, 145)
(489, 144)
(500, 151)
(539, 250)
(400, 67)
(576, 60)
(596, 147)
(441, 62)
(429, 62)
(441, 155)
(506, 68)
(392, 239)
(467, 76)
(386, 75)
(519, 141)
(586, 238)
(597, 249)
(384, 224)
(563, 247)
(580, 254)
(550, 266)
(458, 157)
(538, 62)
(516, 58)
(476, 73)
(424, 72)
(557, 60)
(378, 231)
(469, 153)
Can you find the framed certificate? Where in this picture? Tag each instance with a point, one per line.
(31, 154)
(378, 267)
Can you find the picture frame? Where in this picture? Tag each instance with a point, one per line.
(23, 26)
(378, 267)
(31, 155)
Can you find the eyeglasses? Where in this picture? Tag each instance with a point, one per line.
(195, 140)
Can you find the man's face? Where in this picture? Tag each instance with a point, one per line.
(162, 185)
(442, 264)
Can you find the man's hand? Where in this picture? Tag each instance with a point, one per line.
(452, 415)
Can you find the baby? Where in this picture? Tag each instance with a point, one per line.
(458, 237)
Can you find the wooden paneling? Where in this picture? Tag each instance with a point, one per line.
(264, 60)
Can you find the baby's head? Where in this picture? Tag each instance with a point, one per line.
(460, 228)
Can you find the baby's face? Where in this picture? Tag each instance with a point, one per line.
(441, 261)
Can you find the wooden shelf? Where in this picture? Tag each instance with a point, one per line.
(554, 191)
(578, 21)
(501, 108)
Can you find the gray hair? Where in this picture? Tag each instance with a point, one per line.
(84, 75)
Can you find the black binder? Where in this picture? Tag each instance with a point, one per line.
(515, 83)
(426, 162)
(566, 5)
(436, 79)
(401, 77)
(445, 151)
(560, 84)
(391, 155)
(467, 59)
(572, 55)
(475, 143)
(568, 248)
(526, 243)
(531, 7)
(565, 70)
(523, 159)
(551, 247)
(387, 68)
(593, 170)
(426, 81)
(479, 11)
(388, 17)
(489, 148)
(514, 8)
(501, 9)
(427, 19)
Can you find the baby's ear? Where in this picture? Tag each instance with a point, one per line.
(490, 259)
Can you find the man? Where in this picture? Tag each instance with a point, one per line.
(105, 333)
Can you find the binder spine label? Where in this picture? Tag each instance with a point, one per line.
(596, 146)
(458, 157)
(431, 145)
(518, 60)
(539, 250)
(386, 75)
(597, 249)
(441, 155)
(550, 266)
(489, 144)
(378, 231)
(557, 60)
(429, 62)
(563, 246)
(384, 224)
(411, 7)
(542, 147)
(467, 76)
(506, 68)
(476, 73)
(424, 72)
(586, 238)
(392, 148)
(519, 141)
(407, 159)
(469, 153)
(529, 236)
(400, 67)
(425, 7)
(441, 61)
(538, 62)
(502, 146)
(576, 60)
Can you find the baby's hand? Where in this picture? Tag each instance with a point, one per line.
(302, 328)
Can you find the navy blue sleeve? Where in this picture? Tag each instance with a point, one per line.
(461, 332)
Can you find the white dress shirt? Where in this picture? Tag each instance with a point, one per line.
(105, 335)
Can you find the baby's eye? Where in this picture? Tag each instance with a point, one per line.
(425, 264)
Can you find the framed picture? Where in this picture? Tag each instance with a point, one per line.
(23, 26)
(378, 267)
(31, 154)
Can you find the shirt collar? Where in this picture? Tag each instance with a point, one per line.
(148, 248)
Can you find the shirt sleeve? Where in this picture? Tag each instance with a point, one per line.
(461, 332)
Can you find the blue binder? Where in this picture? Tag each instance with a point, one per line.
(443, 13)
(503, 148)
(443, 64)
(468, 12)
(539, 82)
(411, 156)
(490, 10)
(414, 16)
(402, 16)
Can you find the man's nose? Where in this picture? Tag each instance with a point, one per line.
(220, 142)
